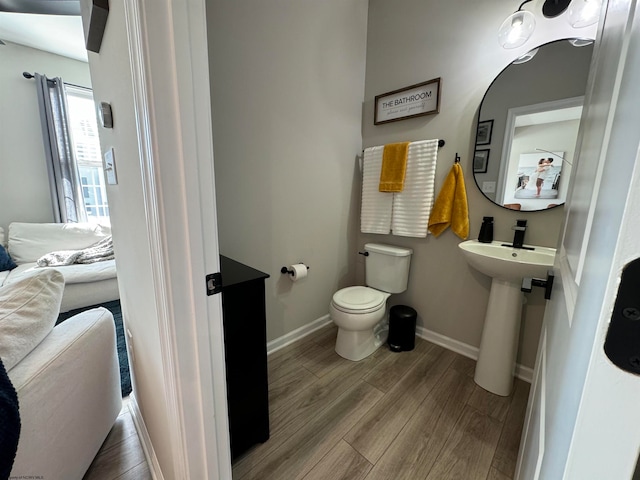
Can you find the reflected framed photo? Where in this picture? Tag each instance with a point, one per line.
(480, 161)
(483, 135)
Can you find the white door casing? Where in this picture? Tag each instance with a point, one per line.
(167, 45)
(582, 416)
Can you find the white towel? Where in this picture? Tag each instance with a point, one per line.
(412, 206)
(375, 216)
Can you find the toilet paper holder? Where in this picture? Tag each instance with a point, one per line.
(284, 270)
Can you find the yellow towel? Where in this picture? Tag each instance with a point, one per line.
(450, 208)
(394, 166)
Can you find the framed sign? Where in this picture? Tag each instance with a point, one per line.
(94, 19)
(414, 101)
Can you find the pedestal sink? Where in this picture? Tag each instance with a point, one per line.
(507, 266)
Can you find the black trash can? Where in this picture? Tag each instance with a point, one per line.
(402, 328)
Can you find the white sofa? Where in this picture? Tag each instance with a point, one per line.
(69, 393)
(86, 284)
(67, 377)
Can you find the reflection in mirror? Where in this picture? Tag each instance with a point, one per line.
(528, 126)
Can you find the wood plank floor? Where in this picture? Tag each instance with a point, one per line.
(414, 415)
(121, 456)
(404, 416)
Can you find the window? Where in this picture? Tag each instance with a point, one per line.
(84, 134)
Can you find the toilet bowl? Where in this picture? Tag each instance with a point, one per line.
(361, 312)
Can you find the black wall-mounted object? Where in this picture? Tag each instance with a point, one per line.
(529, 283)
(622, 344)
(41, 7)
(106, 115)
(284, 270)
(553, 8)
(97, 22)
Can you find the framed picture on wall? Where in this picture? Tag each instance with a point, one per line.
(480, 161)
(538, 177)
(409, 102)
(483, 135)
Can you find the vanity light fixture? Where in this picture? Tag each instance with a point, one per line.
(526, 57)
(583, 13)
(553, 8)
(519, 26)
(580, 42)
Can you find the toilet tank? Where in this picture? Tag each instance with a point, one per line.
(387, 267)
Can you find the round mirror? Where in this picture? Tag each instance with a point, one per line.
(528, 126)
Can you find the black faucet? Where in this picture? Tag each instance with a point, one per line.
(518, 238)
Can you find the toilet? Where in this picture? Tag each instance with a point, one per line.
(361, 312)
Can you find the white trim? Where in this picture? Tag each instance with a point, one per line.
(151, 195)
(169, 68)
(543, 408)
(297, 334)
(469, 351)
(145, 439)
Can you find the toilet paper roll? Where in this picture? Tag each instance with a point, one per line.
(299, 271)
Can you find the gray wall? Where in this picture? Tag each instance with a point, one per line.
(287, 82)
(410, 41)
(24, 187)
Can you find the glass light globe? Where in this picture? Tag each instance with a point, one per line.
(526, 57)
(516, 29)
(583, 13)
(580, 42)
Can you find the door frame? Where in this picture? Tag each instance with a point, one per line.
(509, 132)
(169, 62)
(591, 431)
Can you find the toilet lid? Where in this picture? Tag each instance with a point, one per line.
(359, 299)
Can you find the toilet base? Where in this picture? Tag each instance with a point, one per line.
(358, 345)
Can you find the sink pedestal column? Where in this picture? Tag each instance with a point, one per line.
(499, 344)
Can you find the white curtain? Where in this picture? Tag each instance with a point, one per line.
(64, 181)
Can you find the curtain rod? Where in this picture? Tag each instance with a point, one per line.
(28, 75)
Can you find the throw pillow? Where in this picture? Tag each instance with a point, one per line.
(5, 260)
(28, 312)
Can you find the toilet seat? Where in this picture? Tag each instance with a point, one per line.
(359, 300)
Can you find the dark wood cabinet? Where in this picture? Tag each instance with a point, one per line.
(245, 340)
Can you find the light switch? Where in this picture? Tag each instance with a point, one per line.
(488, 187)
(110, 167)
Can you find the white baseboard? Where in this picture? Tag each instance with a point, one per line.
(297, 334)
(522, 372)
(145, 439)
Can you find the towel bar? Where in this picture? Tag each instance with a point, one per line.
(441, 143)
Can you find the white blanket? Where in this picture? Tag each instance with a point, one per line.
(77, 273)
(98, 252)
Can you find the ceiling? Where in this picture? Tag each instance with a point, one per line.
(59, 34)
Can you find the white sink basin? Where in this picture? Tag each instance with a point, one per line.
(507, 266)
(508, 263)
